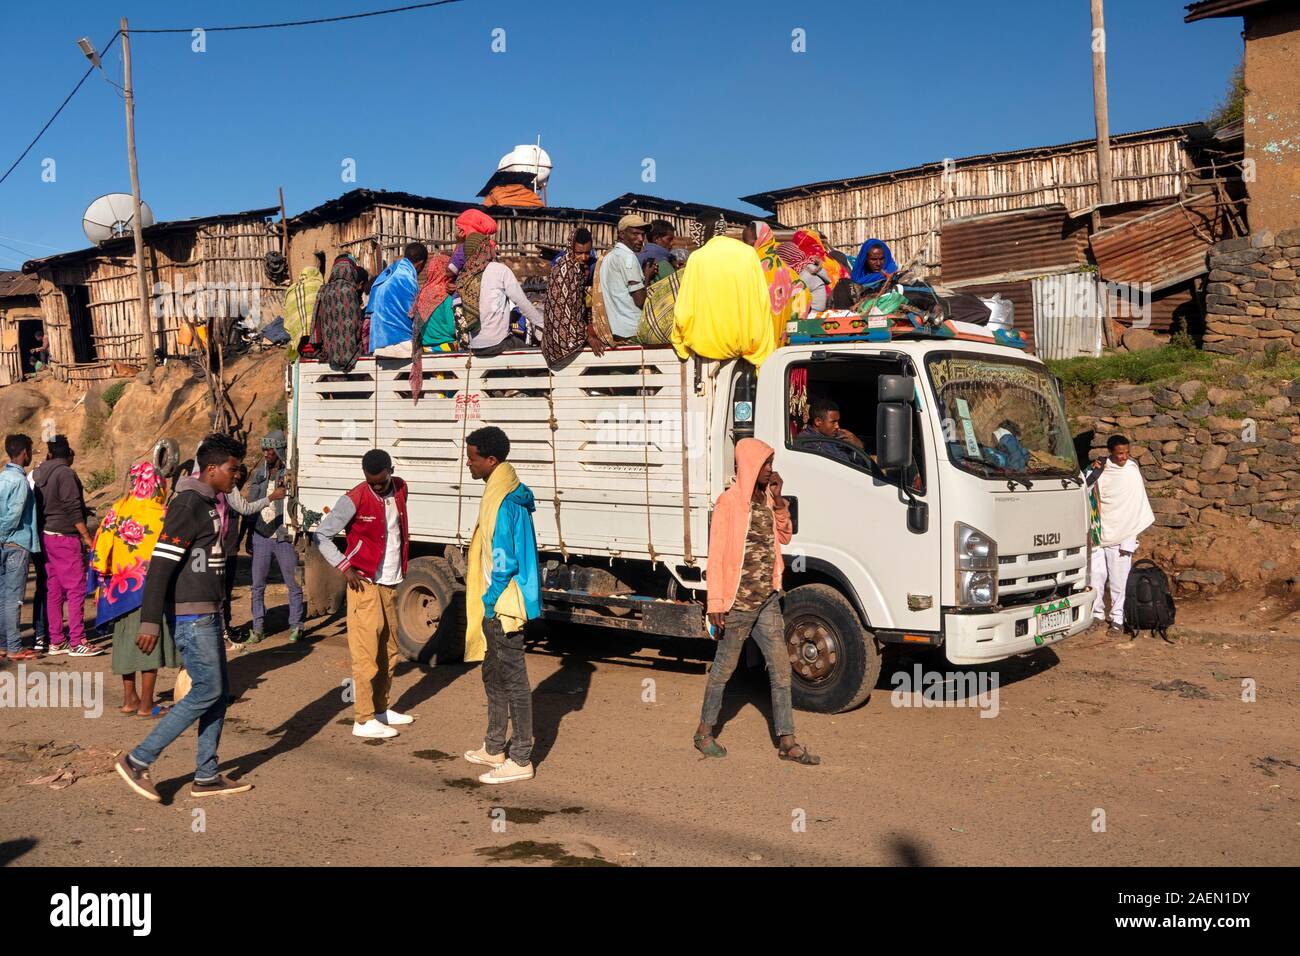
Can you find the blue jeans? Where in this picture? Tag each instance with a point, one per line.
(13, 588)
(203, 648)
(264, 550)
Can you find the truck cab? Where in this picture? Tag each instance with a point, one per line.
(961, 523)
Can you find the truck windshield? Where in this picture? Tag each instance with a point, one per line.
(1001, 417)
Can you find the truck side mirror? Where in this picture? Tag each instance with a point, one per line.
(895, 388)
(893, 434)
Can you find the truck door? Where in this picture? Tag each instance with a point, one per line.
(852, 516)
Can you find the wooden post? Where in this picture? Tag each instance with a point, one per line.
(146, 320)
(1099, 105)
(284, 233)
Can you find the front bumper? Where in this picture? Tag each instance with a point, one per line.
(980, 638)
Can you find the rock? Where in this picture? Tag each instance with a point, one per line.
(1217, 423)
(1168, 506)
(1131, 393)
(1157, 434)
(1189, 390)
(1287, 237)
(1171, 521)
(1168, 397)
(1264, 239)
(1143, 408)
(1214, 458)
(1215, 519)
(1222, 396)
(1136, 340)
(1233, 245)
(1194, 576)
(1275, 406)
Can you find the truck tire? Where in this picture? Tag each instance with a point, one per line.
(430, 612)
(834, 660)
(323, 589)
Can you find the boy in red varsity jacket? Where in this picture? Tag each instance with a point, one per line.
(373, 517)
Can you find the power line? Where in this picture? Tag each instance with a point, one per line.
(65, 102)
(297, 23)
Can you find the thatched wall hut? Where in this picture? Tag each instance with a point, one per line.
(204, 268)
(908, 207)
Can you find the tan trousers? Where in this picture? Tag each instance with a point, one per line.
(372, 639)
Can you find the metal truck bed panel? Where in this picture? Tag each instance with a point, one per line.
(622, 486)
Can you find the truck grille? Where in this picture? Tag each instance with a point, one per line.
(1026, 575)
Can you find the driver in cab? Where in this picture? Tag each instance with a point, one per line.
(826, 424)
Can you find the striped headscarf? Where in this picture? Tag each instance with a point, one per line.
(479, 251)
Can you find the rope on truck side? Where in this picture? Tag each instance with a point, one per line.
(645, 450)
(555, 479)
(686, 476)
(464, 430)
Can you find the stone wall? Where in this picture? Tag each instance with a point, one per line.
(1210, 454)
(1252, 300)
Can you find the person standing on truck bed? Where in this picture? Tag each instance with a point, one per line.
(373, 516)
(502, 592)
(270, 539)
(1125, 513)
(751, 520)
(622, 279)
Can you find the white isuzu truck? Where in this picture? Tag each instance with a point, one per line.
(939, 531)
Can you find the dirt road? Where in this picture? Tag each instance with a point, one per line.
(1101, 752)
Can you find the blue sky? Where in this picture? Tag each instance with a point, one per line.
(711, 90)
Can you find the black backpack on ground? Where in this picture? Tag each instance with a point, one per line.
(1148, 605)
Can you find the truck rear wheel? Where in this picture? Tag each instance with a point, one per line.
(430, 612)
(834, 660)
(324, 591)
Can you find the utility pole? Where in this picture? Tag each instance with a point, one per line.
(146, 320)
(1104, 182)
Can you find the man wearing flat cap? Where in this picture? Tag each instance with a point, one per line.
(271, 540)
(622, 279)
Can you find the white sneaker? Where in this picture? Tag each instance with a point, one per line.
(481, 756)
(372, 728)
(393, 717)
(85, 650)
(508, 772)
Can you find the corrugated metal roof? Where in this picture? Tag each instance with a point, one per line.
(15, 284)
(767, 200)
(351, 204)
(1163, 247)
(1025, 239)
(660, 204)
(126, 244)
(1208, 9)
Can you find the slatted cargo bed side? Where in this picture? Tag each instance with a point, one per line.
(616, 453)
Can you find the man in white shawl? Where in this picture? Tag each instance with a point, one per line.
(1125, 512)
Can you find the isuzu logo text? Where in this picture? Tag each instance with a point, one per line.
(1042, 540)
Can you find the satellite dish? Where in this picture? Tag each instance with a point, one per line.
(112, 217)
(527, 159)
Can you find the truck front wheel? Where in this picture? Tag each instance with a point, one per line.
(834, 660)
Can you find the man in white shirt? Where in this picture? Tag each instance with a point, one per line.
(622, 279)
(373, 516)
(501, 290)
(1125, 513)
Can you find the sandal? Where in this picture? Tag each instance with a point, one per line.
(26, 654)
(803, 757)
(712, 749)
(158, 711)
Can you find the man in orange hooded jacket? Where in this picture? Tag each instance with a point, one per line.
(751, 520)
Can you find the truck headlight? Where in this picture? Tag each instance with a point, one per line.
(977, 567)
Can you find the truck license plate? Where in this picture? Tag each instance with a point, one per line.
(1053, 621)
